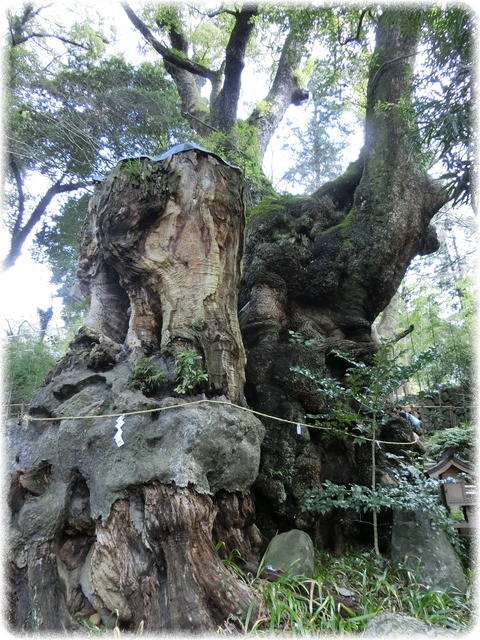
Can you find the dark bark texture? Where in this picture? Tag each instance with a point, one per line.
(325, 266)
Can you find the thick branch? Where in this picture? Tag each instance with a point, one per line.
(167, 54)
(282, 92)
(395, 200)
(17, 24)
(224, 109)
(184, 71)
(21, 196)
(21, 234)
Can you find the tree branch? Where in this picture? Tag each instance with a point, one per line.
(224, 109)
(356, 37)
(403, 334)
(382, 68)
(281, 94)
(22, 234)
(21, 196)
(168, 54)
(29, 36)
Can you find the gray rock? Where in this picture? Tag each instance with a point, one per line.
(292, 551)
(399, 624)
(425, 549)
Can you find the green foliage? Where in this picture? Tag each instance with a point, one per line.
(72, 112)
(207, 37)
(147, 376)
(337, 79)
(240, 148)
(317, 148)
(297, 338)
(358, 405)
(188, 371)
(300, 606)
(413, 491)
(355, 410)
(445, 322)
(88, 626)
(27, 360)
(139, 170)
(445, 95)
(56, 244)
(460, 438)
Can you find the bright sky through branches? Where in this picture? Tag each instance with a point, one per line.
(26, 286)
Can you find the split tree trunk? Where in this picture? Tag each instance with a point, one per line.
(130, 532)
(166, 240)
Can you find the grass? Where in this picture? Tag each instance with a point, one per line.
(370, 586)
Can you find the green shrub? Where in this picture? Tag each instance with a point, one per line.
(27, 362)
(188, 371)
(147, 377)
(459, 438)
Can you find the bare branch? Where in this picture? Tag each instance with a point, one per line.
(180, 61)
(382, 68)
(356, 37)
(402, 334)
(29, 36)
(219, 12)
(19, 238)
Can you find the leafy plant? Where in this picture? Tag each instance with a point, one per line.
(139, 170)
(413, 490)
(297, 338)
(147, 377)
(28, 361)
(444, 315)
(188, 371)
(357, 408)
(459, 438)
(297, 605)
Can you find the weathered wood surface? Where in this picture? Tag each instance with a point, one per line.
(130, 533)
(164, 241)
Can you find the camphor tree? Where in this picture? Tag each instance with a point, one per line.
(67, 108)
(130, 531)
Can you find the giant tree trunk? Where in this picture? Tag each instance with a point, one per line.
(130, 532)
(324, 267)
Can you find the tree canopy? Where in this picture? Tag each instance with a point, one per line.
(225, 76)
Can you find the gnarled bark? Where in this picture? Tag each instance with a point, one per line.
(170, 243)
(325, 267)
(129, 532)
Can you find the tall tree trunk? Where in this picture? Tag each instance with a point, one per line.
(130, 532)
(324, 267)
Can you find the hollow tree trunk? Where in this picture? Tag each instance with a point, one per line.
(129, 532)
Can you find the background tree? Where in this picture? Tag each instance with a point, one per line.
(67, 117)
(445, 96)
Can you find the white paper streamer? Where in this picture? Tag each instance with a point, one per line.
(118, 436)
(299, 429)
